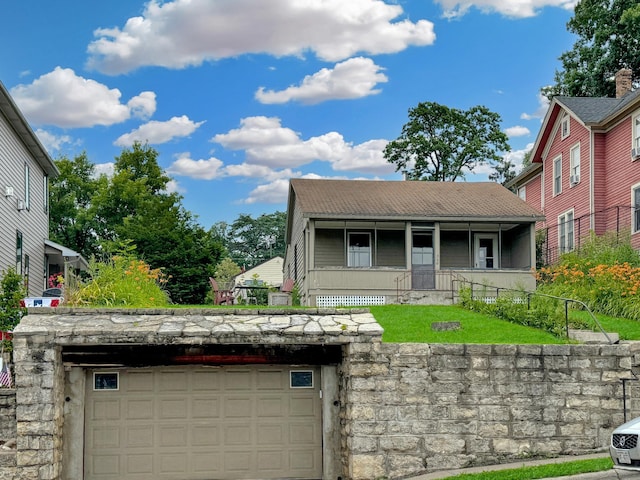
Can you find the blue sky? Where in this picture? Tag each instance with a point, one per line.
(239, 96)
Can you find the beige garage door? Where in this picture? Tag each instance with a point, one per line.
(241, 422)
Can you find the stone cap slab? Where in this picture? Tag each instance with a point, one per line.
(72, 326)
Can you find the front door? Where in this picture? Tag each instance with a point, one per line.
(486, 251)
(423, 275)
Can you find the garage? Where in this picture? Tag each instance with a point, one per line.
(203, 422)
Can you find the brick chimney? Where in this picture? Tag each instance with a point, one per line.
(623, 82)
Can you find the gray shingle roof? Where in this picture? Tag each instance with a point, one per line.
(366, 199)
(596, 110)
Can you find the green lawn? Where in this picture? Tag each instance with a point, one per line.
(627, 329)
(412, 323)
(541, 471)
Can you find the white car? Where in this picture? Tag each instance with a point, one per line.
(624, 448)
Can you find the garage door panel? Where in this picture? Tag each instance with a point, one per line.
(238, 407)
(173, 463)
(238, 434)
(139, 436)
(238, 462)
(138, 409)
(271, 461)
(137, 464)
(303, 434)
(106, 409)
(270, 434)
(196, 423)
(209, 462)
(303, 406)
(174, 408)
(205, 435)
(207, 379)
(173, 436)
(205, 407)
(270, 380)
(271, 407)
(105, 465)
(137, 381)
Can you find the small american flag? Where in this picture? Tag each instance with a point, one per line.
(5, 377)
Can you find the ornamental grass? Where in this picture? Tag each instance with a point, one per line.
(122, 281)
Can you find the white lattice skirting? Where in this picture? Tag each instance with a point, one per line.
(349, 300)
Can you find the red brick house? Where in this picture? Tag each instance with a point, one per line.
(585, 169)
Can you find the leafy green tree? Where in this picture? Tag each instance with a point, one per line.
(504, 171)
(70, 222)
(439, 143)
(608, 34)
(251, 241)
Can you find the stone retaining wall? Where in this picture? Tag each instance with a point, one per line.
(7, 414)
(404, 409)
(415, 408)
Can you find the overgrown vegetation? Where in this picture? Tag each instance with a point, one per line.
(122, 281)
(539, 312)
(604, 274)
(12, 290)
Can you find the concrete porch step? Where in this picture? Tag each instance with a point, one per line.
(589, 337)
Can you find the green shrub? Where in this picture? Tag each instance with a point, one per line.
(119, 282)
(514, 306)
(12, 290)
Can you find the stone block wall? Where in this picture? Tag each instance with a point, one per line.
(39, 411)
(7, 414)
(416, 408)
(7, 432)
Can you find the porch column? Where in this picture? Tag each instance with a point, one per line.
(407, 244)
(499, 246)
(436, 247)
(532, 247)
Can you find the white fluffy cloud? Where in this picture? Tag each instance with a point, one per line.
(159, 132)
(66, 100)
(203, 169)
(180, 33)
(543, 106)
(509, 8)
(274, 192)
(353, 78)
(51, 141)
(104, 169)
(266, 142)
(517, 131)
(517, 156)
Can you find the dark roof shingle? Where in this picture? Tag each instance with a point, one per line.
(409, 200)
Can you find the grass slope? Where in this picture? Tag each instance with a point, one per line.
(412, 324)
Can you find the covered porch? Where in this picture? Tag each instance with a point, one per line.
(377, 262)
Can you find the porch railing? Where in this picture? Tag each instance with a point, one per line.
(445, 280)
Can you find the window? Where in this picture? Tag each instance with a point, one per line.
(557, 176)
(522, 193)
(636, 132)
(564, 126)
(359, 250)
(27, 187)
(565, 230)
(45, 188)
(19, 253)
(574, 167)
(635, 201)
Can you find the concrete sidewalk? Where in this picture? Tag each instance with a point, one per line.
(612, 474)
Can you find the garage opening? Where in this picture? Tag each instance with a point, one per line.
(215, 412)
